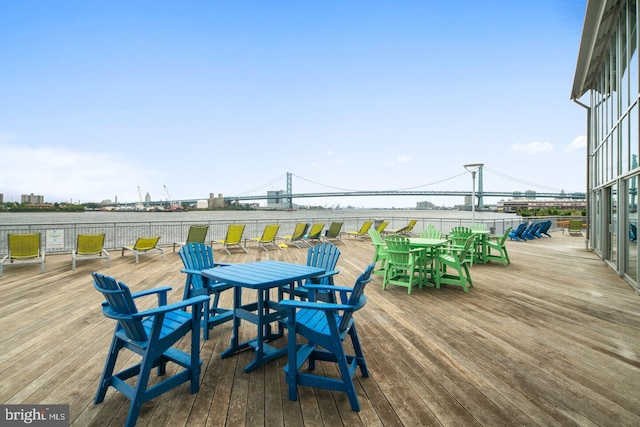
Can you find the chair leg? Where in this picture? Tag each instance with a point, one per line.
(107, 373)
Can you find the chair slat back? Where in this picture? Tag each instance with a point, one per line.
(120, 306)
(376, 238)
(197, 233)
(146, 243)
(24, 245)
(503, 238)
(196, 256)
(398, 249)
(468, 246)
(234, 234)
(357, 299)
(324, 256)
(459, 235)
(90, 244)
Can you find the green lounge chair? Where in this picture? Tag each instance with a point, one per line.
(268, 237)
(24, 249)
(145, 246)
(196, 234)
(362, 233)
(233, 238)
(89, 246)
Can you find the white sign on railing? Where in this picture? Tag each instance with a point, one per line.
(55, 239)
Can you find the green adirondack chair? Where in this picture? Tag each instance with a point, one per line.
(497, 250)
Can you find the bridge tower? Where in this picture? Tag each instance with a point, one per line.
(289, 191)
(480, 201)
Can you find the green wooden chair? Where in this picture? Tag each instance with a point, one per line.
(404, 265)
(452, 266)
(268, 237)
(458, 237)
(196, 234)
(498, 246)
(381, 254)
(431, 233)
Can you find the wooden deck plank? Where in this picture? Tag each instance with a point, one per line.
(552, 339)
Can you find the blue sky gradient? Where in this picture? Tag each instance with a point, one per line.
(100, 97)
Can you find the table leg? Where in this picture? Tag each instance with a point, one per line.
(235, 331)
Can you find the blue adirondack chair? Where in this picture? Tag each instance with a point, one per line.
(516, 234)
(197, 257)
(325, 326)
(324, 255)
(544, 229)
(151, 334)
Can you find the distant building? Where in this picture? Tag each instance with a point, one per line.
(216, 202)
(147, 198)
(562, 204)
(31, 199)
(1, 198)
(275, 198)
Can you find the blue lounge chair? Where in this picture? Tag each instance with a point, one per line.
(516, 234)
(544, 229)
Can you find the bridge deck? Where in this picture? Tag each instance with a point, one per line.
(553, 339)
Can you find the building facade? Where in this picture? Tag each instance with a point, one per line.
(606, 85)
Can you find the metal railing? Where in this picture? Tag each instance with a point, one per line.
(61, 237)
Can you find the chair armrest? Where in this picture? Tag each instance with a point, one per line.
(173, 307)
(162, 289)
(324, 306)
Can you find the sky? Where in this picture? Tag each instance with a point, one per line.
(180, 99)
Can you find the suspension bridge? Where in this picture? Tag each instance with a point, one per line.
(287, 196)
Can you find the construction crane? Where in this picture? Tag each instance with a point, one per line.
(140, 204)
(172, 205)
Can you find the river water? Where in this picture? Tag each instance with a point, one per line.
(391, 215)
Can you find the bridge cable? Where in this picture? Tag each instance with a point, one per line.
(260, 187)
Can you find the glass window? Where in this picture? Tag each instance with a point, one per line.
(622, 61)
(631, 258)
(634, 143)
(633, 55)
(624, 144)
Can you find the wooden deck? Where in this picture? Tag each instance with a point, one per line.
(552, 339)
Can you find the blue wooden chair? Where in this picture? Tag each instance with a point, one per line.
(325, 326)
(151, 334)
(197, 257)
(516, 234)
(324, 255)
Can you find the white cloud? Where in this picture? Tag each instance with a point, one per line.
(577, 144)
(402, 158)
(62, 175)
(532, 147)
